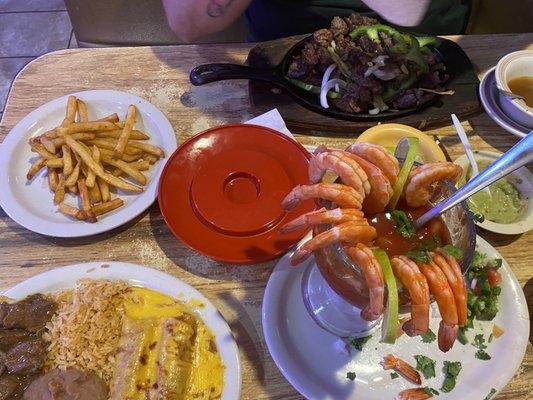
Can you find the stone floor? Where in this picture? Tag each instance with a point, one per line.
(28, 29)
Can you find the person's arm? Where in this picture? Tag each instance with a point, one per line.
(400, 12)
(192, 19)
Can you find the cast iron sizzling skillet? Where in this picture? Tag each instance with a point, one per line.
(448, 52)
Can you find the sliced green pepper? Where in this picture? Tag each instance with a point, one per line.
(372, 31)
(312, 88)
(343, 67)
(413, 53)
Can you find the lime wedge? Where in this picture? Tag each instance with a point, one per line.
(389, 326)
(414, 144)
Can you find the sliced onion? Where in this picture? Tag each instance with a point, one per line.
(385, 75)
(327, 74)
(326, 88)
(373, 111)
(380, 60)
(370, 70)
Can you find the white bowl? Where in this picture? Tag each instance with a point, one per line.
(514, 65)
(522, 180)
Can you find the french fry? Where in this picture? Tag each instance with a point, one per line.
(35, 168)
(82, 111)
(103, 208)
(110, 118)
(37, 147)
(147, 148)
(85, 200)
(59, 194)
(53, 179)
(134, 135)
(96, 196)
(150, 158)
(73, 189)
(110, 145)
(77, 127)
(98, 169)
(73, 177)
(124, 157)
(141, 165)
(104, 189)
(82, 136)
(67, 160)
(71, 111)
(72, 211)
(54, 163)
(122, 141)
(48, 144)
(126, 168)
(91, 176)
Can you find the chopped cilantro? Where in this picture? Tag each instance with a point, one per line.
(428, 336)
(425, 365)
(358, 343)
(430, 391)
(350, 375)
(461, 335)
(394, 375)
(482, 355)
(451, 370)
(419, 255)
(491, 394)
(490, 338)
(479, 342)
(453, 251)
(403, 224)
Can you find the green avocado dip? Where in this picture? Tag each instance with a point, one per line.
(503, 206)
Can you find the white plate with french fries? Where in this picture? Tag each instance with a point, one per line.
(85, 163)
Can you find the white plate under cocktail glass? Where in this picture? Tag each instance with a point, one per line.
(66, 277)
(31, 205)
(310, 358)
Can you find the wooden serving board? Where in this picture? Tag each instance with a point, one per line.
(264, 97)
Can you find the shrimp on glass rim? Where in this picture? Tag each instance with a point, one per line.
(379, 156)
(410, 276)
(451, 269)
(352, 232)
(422, 179)
(439, 287)
(365, 259)
(341, 195)
(346, 168)
(322, 216)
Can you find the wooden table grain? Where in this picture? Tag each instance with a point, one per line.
(160, 75)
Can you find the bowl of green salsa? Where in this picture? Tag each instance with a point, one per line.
(507, 206)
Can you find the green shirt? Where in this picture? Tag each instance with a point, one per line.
(272, 19)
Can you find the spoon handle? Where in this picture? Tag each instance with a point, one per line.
(517, 156)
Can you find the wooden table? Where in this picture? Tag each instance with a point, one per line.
(160, 74)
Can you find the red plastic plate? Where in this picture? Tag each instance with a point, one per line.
(221, 192)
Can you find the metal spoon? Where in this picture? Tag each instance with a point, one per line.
(517, 156)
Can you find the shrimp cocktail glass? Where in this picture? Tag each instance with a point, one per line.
(369, 260)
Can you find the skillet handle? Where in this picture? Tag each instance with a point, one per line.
(207, 73)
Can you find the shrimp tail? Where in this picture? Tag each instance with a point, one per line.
(404, 369)
(414, 394)
(301, 222)
(299, 256)
(291, 201)
(446, 336)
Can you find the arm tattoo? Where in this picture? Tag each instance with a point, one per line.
(217, 8)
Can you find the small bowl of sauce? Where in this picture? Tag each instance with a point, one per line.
(508, 208)
(514, 73)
